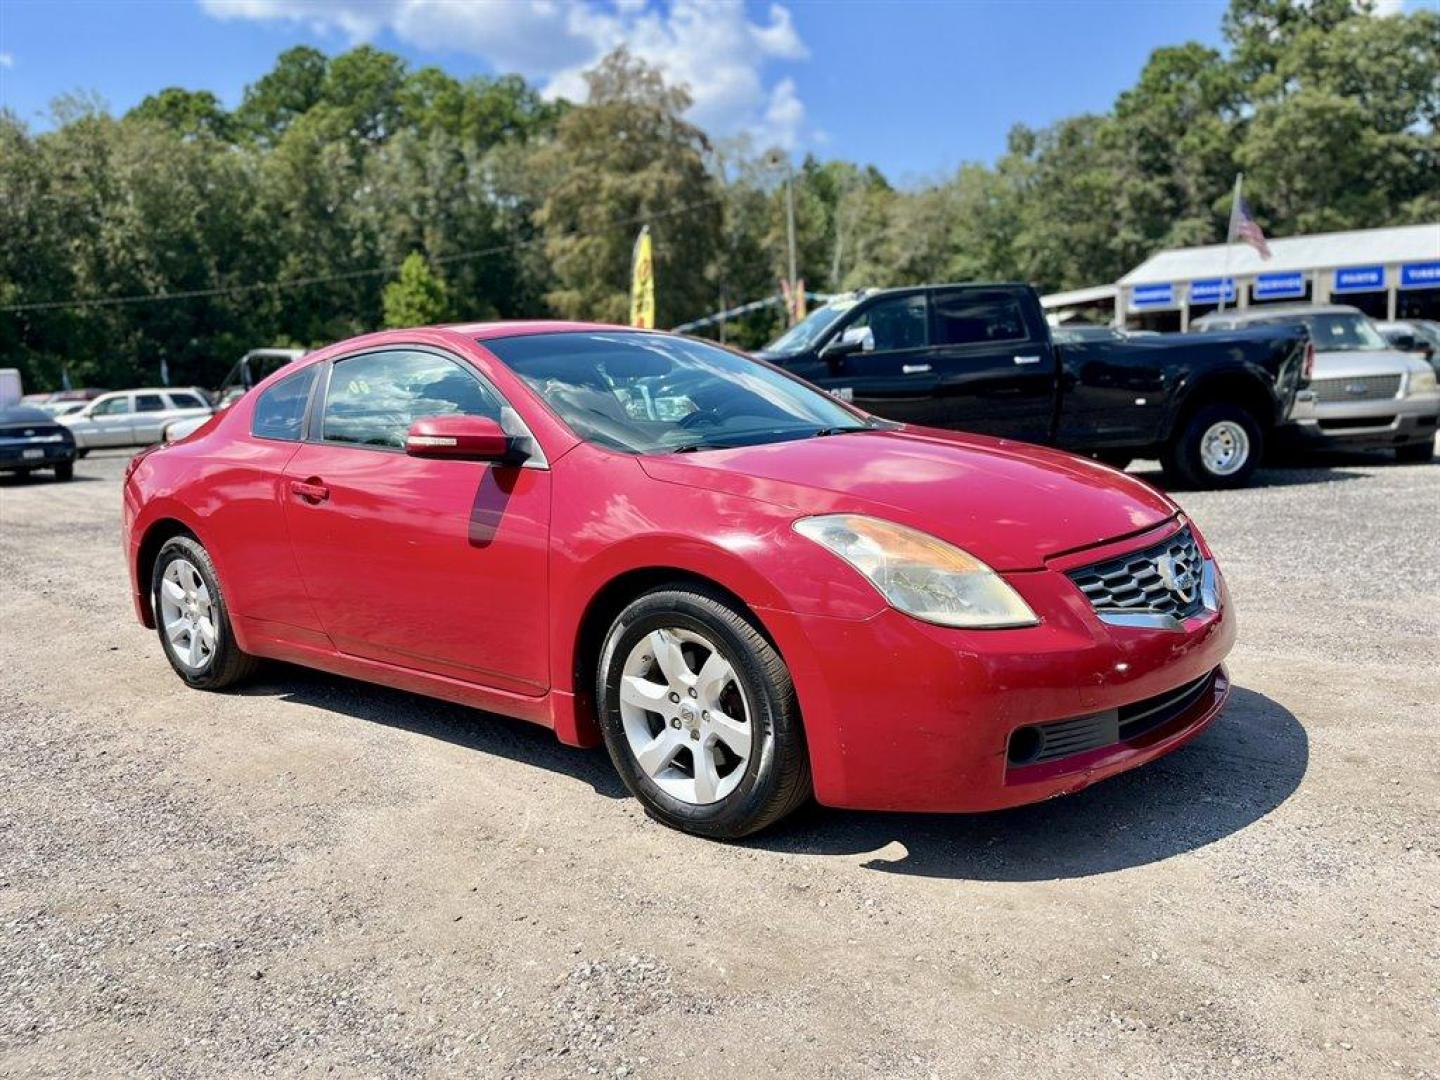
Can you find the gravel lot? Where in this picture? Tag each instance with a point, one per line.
(317, 875)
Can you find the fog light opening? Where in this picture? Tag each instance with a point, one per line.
(1025, 745)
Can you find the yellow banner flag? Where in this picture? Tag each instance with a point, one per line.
(642, 283)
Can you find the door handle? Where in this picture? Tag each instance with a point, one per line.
(312, 490)
(1027, 359)
(914, 369)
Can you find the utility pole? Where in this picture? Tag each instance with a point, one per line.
(775, 158)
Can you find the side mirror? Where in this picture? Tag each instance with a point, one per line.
(463, 438)
(1404, 341)
(852, 340)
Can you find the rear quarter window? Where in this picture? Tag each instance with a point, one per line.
(280, 410)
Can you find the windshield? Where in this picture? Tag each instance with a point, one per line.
(1341, 331)
(647, 393)
(810, 329)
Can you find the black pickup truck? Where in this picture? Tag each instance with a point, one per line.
(982, 358)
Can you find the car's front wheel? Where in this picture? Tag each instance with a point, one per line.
(192, 618)
(699, 714)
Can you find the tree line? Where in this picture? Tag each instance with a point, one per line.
(349, 192)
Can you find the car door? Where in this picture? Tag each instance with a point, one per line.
(892, 375)
(431, 564)
(152, 413)
(110, 422)
(994, 369)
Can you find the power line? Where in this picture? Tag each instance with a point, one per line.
(324, 279)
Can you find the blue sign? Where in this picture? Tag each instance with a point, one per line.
(1424, 275)
(1153, 296)
(1212, 291)
(1279, 286)
(1359, 279)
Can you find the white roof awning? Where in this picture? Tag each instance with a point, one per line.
(1402, 244)
(1093, 295)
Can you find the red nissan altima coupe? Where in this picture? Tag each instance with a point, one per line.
(750, 591)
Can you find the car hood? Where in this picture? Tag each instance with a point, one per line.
(1010, 504)
(1349, 365)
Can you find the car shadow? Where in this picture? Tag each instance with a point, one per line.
(44, 479)
(1241, 768)
(1248, 762)
(1270, 475)
(472, 729)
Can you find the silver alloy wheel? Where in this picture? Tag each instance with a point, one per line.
(187, 612)
(1224, 448)
(686, 716)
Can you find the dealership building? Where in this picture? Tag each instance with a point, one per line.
(1387, 273)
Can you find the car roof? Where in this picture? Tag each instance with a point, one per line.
(485, 331)
(1270, 311)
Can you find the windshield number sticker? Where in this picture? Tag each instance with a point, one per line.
(843, 393)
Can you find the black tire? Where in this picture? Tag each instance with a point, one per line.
(1416, 453)
(81, 452)
(776, 776)
(65, 470)
(227, 665)
(1184, 463)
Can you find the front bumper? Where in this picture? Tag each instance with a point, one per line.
(904, 715)
(1361, 425)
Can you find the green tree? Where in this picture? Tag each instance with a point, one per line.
(626, 158)
(190, 113)
(290, 90)
(416, 297)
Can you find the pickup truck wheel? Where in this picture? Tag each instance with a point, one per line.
(1217, 447)
(1416, 453)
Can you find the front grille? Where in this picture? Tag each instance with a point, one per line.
(1163, 579)
(1359, 388)
(1036, 744)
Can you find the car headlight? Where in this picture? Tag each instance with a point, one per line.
(1421, 382)
(920, 574)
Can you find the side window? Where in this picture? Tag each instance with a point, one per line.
(978, 317)
(150, 403)
(897, 323)
(280, 410)
(188, 401)
(115, 406)
(373, 399)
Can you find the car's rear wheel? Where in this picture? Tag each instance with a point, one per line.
(699, 715)
(1219, 446)
(1416, 453)
(65, 470)
(192, 619)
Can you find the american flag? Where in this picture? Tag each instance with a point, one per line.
(1244, 228)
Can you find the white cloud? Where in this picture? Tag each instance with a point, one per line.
(6, 60)
(1388, 7)
(713, 46)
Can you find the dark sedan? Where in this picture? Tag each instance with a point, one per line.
(30, 439)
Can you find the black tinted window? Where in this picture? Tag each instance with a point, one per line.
(897, 323)
(150, 403)
(975, 317)
(373, 399)
(280, 412)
